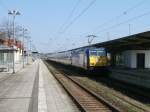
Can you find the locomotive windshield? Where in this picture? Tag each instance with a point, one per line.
(101, 53)
(98, 52)
(93, 53)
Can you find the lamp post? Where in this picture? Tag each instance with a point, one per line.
(31, 48)
(28, 42)
(23, 36)
(13, 13)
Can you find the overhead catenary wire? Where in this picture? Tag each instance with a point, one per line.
(78, 16)
(132, 8)
(135, 6)
(70, 15)
(126, 21)
(124, 13)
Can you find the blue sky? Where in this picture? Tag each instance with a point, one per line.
(45, 17)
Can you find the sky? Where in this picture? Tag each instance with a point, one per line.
(58, 25)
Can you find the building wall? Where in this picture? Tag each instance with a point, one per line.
(7, 57)
(131, 55)
(18, 56)
(127, 58)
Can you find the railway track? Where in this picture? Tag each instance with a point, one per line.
(86, 100)
(138, 93)
(121, 103)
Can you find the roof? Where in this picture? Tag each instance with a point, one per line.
(137, 42)
(6, 49)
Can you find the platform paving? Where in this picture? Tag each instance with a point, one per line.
(16, 89)
(50, 90)
(33, 89)
(140, 77)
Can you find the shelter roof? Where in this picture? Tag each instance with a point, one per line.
(6, 49)
(137, 42)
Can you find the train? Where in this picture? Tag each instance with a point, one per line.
(86, 58)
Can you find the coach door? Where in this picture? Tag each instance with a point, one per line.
(140, 60)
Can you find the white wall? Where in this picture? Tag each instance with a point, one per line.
(130, 58)
(18, 56)
(127, 58)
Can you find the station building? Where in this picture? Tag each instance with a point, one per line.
(131, 51)
(8, 47)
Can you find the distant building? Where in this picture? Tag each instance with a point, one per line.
(9, 46)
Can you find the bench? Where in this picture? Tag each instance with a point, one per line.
(2, 69)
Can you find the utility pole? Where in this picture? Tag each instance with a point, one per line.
(90, 39)
(14, 13)
(28, 42)
(8, 31)
(108, 36)
(30, 48)
(23, 36)
(129, 29)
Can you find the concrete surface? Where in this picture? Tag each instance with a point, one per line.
(133, 76)
(52, 97)
(16, 89)
(33, 89)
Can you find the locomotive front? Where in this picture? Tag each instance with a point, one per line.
(98, 58)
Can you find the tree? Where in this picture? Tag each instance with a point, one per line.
(7, 28)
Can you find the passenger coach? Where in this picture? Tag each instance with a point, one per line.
(85, 58)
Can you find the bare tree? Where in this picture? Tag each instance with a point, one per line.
(7, 27)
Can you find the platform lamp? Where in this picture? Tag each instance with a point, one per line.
(14, 14)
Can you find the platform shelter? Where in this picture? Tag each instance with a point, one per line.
(131, 51)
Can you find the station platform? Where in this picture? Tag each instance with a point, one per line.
(33, 89)
(56, 99)
(140, 77)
